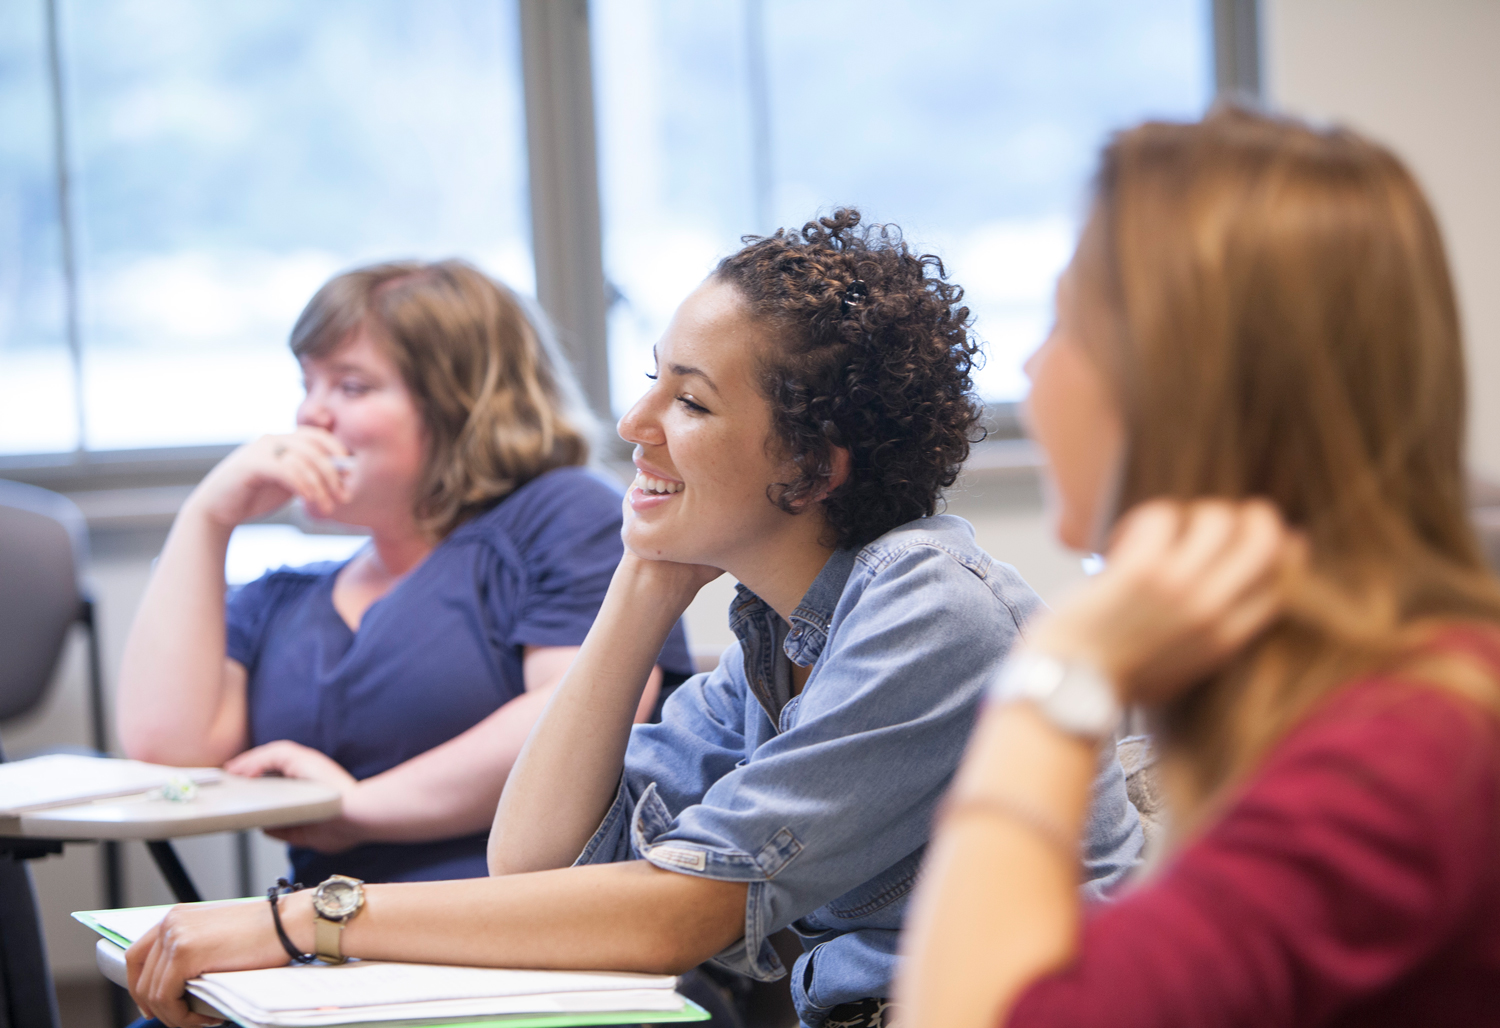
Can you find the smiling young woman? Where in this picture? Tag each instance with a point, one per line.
(438, 417)
(812, 399)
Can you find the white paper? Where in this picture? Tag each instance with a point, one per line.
(377, 983)
(610, 1002)
(375, 992)
(62, 779)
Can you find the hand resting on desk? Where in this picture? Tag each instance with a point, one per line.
(293, 760)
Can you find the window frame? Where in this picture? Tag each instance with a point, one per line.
(566, 224)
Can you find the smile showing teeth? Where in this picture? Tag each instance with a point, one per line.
(646, 484)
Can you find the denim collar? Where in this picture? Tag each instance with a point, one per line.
(761, 631)
(810, 621)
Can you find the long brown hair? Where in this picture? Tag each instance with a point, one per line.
(499, 401)
(1287, 329)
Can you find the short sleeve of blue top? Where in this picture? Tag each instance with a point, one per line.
(434, 656)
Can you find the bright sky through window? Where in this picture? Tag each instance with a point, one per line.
(972, 124)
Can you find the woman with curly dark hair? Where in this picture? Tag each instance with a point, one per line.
(811, 401)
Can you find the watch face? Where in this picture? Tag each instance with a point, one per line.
(336, 899)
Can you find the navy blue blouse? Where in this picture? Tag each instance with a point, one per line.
(433, 657)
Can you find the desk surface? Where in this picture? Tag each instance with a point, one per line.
(230, 805)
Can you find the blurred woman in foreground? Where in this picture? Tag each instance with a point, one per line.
(1257, 358)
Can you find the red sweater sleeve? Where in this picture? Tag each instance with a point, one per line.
(1357, 854)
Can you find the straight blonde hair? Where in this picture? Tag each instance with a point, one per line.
(499, 401)
(1287, 329)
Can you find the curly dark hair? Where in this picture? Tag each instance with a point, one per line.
(876, 358)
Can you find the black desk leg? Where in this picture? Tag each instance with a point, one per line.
(120, 1006)
(173, 871)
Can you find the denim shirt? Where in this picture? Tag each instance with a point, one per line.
(823, 802)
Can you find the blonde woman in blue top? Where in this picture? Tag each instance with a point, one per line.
(438, 417)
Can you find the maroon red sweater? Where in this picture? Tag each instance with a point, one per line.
(1356, 881)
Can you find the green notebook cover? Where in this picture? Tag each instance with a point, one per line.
(87, 918)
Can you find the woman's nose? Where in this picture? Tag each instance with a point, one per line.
(312, 411)
(640, 423)
(1034, 361)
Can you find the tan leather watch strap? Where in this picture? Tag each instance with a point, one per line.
(328, 939)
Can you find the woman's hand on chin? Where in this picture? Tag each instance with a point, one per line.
(289, 759)
(669, 576)
(1185, 587)
(192, 940)
(262, 475)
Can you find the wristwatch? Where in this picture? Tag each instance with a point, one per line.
(335, 900)
(1072, 695)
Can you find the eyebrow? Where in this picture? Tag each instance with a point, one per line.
(685, 370)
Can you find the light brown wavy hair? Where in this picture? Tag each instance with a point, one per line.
(1285, 327)
(498, 399)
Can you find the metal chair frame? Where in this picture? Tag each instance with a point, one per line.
(34, 1010)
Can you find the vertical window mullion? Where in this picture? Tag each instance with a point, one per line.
(1236, 49)
(567, 239)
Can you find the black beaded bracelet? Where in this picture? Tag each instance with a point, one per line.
(274, 895)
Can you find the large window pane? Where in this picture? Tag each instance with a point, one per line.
(675, 161)
(972, 124)
(36, 378)
(230, 156)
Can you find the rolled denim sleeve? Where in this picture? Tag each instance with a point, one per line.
(699, 739)
(848, 786)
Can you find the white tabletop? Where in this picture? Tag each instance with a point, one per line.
(230, 805)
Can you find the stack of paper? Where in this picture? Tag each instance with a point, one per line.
(63, 779)
(367, 991)
(391, 994)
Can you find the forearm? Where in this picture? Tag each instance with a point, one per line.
(619, 917)
(567, 773)
(172, 676)
(999, 902)
(453, 789)
(626, 917)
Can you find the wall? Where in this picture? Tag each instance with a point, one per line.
(1423, 77)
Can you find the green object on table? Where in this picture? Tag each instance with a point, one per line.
(86, 917)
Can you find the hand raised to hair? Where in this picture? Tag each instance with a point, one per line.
(1185, 587)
